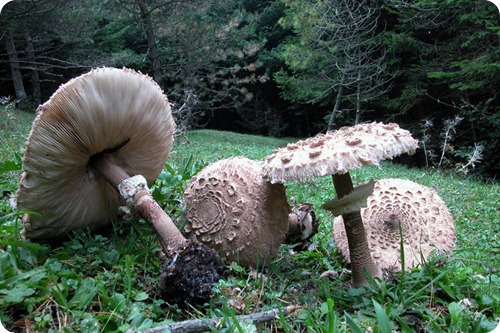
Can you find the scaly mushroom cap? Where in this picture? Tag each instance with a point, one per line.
(338, 152)
(426, 223)
(119, 111)
(230, 208)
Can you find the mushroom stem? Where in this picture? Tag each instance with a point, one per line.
(188, 277)
(343, 184)
(359, 250)
(113, 173)
(137, 195)
(170, 237)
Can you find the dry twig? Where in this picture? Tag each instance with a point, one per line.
(203, 325)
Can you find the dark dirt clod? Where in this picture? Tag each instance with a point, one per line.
(190, 274)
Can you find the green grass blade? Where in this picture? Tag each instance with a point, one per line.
(384, 325)
(352, 325)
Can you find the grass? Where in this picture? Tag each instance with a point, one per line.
(102, 282)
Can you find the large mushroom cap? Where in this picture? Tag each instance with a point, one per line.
(230, 208)
(338, 152)
(118, 111)
(426, 223)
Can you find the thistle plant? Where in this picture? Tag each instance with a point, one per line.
(426, 125)
(449, 131)
(7, 103)
(473, 158)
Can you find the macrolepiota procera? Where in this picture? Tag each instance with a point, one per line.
(402, 207)
(232, 209)
(87, 140)
(336, 153)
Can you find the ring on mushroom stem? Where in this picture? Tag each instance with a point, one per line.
(95, 132)
(336, 153)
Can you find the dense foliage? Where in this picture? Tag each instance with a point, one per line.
(280, 67)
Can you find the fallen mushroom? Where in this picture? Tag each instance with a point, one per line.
(232, 209)
(426, 224)
(95, 131)
(109, 113)
(336, 153)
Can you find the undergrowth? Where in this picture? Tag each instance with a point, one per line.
(105, 281)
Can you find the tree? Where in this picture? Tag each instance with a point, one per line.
(38, 39)
(212, 52)
(35, 78)
(455, 50)
(17, 79)
(337, 51)
(151, 14)
(152, 48)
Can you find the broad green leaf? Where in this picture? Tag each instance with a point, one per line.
(84, 294)
(455, 312)
(7, 166)
(141, 296)
(17, 294)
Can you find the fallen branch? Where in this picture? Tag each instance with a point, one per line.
(203, 325)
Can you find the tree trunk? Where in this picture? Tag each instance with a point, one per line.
(358, 89)
(336, 107)
(150, 34)
(358, 102)
(17, 77)
(35, 79)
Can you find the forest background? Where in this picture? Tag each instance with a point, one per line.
(281, 67)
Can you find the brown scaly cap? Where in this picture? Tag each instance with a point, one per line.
(119, 111)
(230, 208)
(338, 152)
(426, 222)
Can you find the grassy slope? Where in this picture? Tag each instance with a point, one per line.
(98, 283)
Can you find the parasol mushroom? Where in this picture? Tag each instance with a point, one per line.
(426, 224)
(336, 153)
(232, 209)
(95, 131)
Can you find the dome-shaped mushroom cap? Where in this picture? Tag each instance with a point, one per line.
(230, 208)
(338, 152)
(119, 111)
(426, 223)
